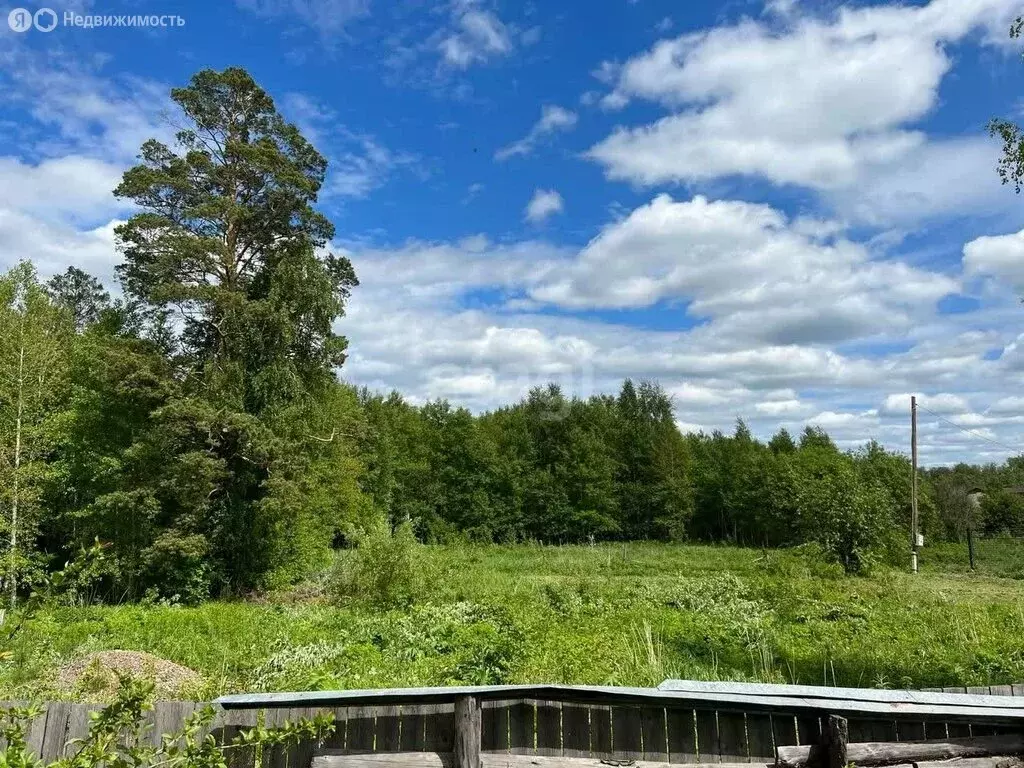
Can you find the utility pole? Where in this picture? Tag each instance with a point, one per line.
(913, 484)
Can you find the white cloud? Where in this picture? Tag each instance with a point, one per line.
(1000, 256)
(56, 188)
(742, 265)
(477, 36)
(552, 119)
(940, 402)
(815, 103)
(544, 204)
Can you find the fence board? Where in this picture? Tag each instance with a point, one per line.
(682, 736)
(601, 731)
(784, 730)
(439, 728)
(760, 738)
(388, 729)
(57, 714)
(36, 733)
(957, 730)
(732, 737)
(934, 729)
(78, 727)
(494, 726)
(872, 729)
(521, 727)
(230, 724)
(413, 725)
(1001, 690)
(575, 730)
(909, 730)
(360, 730)
(549, 728)
(627, 732)
(655, 738)
(275, 756)
(808, 730)
(707, 736)
(1018, 689)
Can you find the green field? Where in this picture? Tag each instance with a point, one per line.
(629, 615)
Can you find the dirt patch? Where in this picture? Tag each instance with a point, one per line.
(96, 676)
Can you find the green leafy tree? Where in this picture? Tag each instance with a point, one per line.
(35, 337)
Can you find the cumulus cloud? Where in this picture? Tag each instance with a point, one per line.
(811, 102)
(999, 256)
(552, 119)
(544, 204)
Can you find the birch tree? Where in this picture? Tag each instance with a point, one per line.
(34, 340)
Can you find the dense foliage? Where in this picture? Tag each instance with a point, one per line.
(197, 426)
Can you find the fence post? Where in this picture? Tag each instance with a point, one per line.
(837, 734)
(468, 724)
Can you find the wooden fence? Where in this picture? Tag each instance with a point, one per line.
(680, 722)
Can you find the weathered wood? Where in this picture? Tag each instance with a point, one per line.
(439, 728)
(1001, 690)
(835, 735)
(890, 753)
(78, 728)
(601, 731)
(808, 730)
(760, 739)
(732, 737)
(865, 729)
(549, 728)
(494, 728)
(387, 729)
(784, 730)
(910, 730)
(707, 736)
(468, 724)
(327, 759)
(627, 741)
(521, 727)
(228, 726)
(55, 736)
(575, 730)
(360, 730)
(682, 735)
(655, 736)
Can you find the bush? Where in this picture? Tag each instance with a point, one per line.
(385, 570)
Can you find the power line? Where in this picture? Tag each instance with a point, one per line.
(970, 431)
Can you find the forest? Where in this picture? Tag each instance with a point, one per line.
(194, 419)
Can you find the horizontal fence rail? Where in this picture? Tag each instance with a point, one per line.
(679, 722)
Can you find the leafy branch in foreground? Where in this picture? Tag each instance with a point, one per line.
(119, 737)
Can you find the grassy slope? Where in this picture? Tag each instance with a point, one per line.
(580, 614)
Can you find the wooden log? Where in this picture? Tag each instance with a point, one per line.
(468, 725)
(836, 735)
(336, 759)
(891, 753)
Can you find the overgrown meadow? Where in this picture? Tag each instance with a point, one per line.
(608, 614)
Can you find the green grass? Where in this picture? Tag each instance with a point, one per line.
(605, 614)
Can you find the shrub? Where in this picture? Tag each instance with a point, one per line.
(385, 569)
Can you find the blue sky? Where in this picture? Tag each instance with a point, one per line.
(784, 211)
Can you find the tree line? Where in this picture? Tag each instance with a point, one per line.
(196, 426)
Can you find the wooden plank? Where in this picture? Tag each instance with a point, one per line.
(467, 732)
(168, 718)
(36, 734)
(978, 690)
(707, 736)
(1001, 690)
(230, 725)
(413, 727)
(487, 759)
(601, 731)
(958, 730)
(275, 756)
(1018, 689)
(439, 728)
(887, 753)
(732, 737)
(521, 727)
(760, 738)
(682, 735)
(549, 727)
(808, 730)
(627, 734)
(784, 730)
(655, 734)
(909, 730)
(933, 729)
(57, 715)
(78, 727)
(360, 729)
(734, 696)
(575, 730)
(494, 726)
(388, 729)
